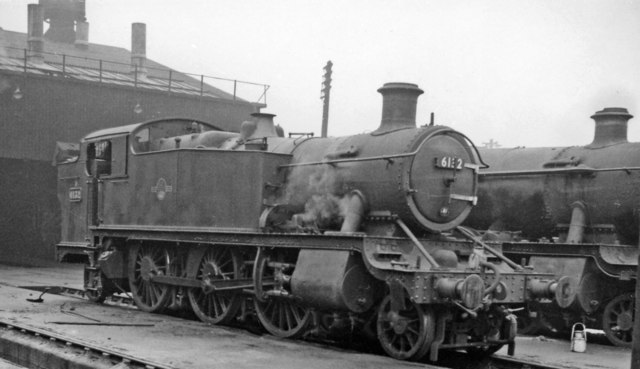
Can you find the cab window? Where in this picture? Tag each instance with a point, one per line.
(107, 157)
(99, 158)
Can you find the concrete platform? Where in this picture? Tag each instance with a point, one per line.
(63, 275)
(557, 352)
(7, 365)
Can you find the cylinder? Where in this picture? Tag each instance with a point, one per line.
(333, 280)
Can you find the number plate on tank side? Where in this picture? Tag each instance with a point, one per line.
(75, 194)
(449, 162)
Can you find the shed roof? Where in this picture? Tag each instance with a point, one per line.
(99, 63)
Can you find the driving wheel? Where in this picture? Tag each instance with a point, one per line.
(211, 305)
(278, 311)
(617, 320)
(146, 261)
(406, 334)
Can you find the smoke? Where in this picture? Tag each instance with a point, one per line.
(320, 190)
(323, 211)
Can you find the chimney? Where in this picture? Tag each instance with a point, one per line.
(264, 125)
(399, 101)
(35, 30)
(82, 35)
(138, 48)
(611, 127)
(62, 16)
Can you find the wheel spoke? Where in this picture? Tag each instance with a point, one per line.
(412, 342)
(224, 264)
(296, 314)
(288, 316)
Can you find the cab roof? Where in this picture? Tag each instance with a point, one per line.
(128, 129)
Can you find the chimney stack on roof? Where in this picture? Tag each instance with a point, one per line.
(138, 48)
(62, 16)
(35, 29)
(82, 35)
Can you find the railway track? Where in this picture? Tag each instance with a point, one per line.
(109, 358)
(84, 352)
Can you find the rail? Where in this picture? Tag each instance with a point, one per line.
(111, 72)
(110, 354)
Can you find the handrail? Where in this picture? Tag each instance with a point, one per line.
(417, 243)
(467, 233)
(170, 79)
(579, 169)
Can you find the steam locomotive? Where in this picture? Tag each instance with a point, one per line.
(571, 211)
(310, 235)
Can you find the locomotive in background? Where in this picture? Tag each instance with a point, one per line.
(311, 235)
(571, 211)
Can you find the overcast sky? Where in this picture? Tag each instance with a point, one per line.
(524, 73)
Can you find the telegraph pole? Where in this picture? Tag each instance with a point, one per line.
(325, 93)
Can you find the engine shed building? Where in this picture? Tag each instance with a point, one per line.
(56, 87)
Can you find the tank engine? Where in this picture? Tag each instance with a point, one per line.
(580, 207)
(312, 235)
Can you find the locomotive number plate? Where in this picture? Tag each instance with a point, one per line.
(75, 194)
(449, 162)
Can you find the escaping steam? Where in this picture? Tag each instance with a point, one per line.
(320, 191)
